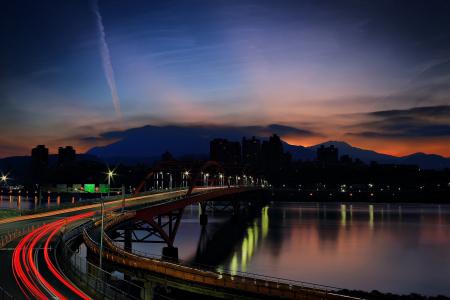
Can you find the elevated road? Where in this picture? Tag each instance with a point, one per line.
(29, 269)
(242, 286)
(32, 270)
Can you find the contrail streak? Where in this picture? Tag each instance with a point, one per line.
(106, 60)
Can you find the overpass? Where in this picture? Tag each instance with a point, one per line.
(30, 273)
(35, 264)
(31, 269)
(169, 271)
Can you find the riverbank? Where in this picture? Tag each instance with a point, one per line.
(376, 295)
(8, 213)
(397, 196)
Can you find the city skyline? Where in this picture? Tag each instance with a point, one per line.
(375, 75)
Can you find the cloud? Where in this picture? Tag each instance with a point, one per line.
(416, 112)
(232, 132)
(435, 70)
(289, 130)
(418, 122)
(106, 59)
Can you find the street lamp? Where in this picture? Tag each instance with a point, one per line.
(110, 175)
(170, 180)
(185, 176)
(4, 179)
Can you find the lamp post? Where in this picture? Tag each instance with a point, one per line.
(170, 180)
(185, 176)
(4, 179)
(101, 232)
(110, 175)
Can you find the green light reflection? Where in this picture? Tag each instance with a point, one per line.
(250, 242)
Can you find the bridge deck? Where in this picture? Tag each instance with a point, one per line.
(246, 283)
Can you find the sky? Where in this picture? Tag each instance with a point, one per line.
(375, 74)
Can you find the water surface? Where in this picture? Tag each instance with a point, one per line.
(396, 248)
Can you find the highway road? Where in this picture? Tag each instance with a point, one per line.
(29, 270)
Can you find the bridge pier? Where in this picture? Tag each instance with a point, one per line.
(147, 292)
(128, 239)
(203, 219)
(236, 207)
(203, 215)
(170, 253)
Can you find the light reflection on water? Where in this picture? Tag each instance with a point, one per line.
(27, 202)
(396, 248)
(242, 255)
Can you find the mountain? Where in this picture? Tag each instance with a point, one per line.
(147, 143)
(300, 152)
(422, 160)
(366, 156)
(152, 141)
(426, 161)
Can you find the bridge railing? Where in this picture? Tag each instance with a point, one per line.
(245, 282)
(228, 272)
(10, 236)
(89, 276)
(224, 271)
(4, 295)
(84, 202)
(248, 282)
(7, 238)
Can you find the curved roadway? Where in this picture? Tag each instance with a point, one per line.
(29, 269)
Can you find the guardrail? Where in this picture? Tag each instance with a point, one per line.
(89, 276)
(237, 273)
(7, 238)
(98, 200)
(239, 281)
(4, 295)
(12, 235)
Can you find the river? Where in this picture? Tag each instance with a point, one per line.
(399, 248)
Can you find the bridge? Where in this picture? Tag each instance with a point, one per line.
(30, 263)
(40, 262)
(201, 279)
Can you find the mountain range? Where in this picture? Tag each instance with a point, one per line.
(145, 144)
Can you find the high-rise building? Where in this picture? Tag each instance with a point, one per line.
(39, 163)
(66, 155)
(251, 151)
(225, 151)
(39, 157)
(275, 161)
(272, 152)
(327, 154)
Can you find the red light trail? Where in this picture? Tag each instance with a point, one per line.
(26, 273)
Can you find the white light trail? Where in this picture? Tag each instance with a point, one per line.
(106, 59)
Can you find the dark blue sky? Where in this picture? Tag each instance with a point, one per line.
(74, 69)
